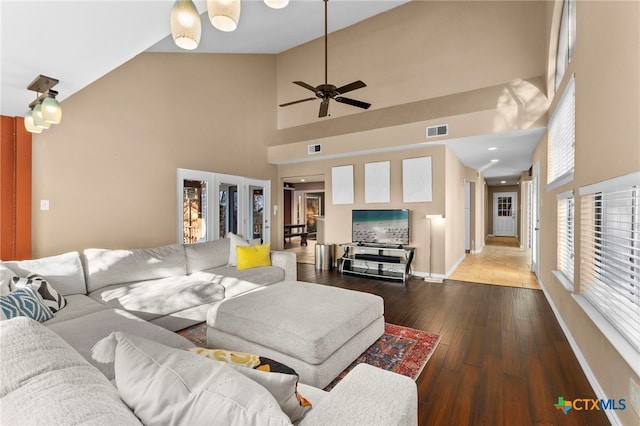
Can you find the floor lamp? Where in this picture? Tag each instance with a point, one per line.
(430, 218)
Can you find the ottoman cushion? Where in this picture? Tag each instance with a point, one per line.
(307, 321)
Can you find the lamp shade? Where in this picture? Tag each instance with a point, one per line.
(30, 125)
(38, 119)
(185, 24)
(276, 4)
(51, 111)
(224, 14)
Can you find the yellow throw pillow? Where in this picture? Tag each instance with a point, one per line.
(253, 256)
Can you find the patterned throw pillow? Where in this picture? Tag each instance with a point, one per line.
(24, 302)
(54, 300)
(280, 380)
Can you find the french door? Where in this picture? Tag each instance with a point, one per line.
(211, 205)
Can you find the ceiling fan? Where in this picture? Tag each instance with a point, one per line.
(328, 91)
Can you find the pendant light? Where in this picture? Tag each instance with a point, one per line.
(276, 4)
(51, 110)
(30, 125)
(185, 24)
(224, 14)
(38, 119)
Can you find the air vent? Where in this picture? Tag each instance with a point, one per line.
(439, 130)
(314, 149)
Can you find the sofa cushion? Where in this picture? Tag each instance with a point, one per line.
(45, 381)
(78, 305)
(83, 332)
(164, 385)
(6, 279)
(64, 272)
(105, 267)
(235, 241)
(260, 276)
(207, 255)
(154, 298)
(280, 380)
(24, 302)
(50, 296)
(253, 256)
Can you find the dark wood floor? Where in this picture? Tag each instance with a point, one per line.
(502, 360)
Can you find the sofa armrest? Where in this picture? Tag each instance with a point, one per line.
(368, 396)
(286, 261)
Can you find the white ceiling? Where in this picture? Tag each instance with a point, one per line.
(79, 41)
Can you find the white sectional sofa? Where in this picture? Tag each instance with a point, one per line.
(48, 374)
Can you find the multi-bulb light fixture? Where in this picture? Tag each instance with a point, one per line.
(223, 14)
(45, 109)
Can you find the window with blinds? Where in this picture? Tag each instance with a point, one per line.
(565, 239)
(610, 252)
(562, 137)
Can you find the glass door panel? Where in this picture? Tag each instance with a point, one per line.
(194, 211)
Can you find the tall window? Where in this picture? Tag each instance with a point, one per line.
(610, 252)
(562, 136)
(566, 39)
(565, 238)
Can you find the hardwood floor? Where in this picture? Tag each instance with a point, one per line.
(503, 358)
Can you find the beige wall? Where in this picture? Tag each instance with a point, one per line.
(109, 170)
(454, 211)
(606, 64)
(421, 50)
(338, 217)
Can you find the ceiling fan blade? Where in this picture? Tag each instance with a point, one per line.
(351, 86)
(305, 85)
(353, 102)
(298, 101)
(324, 108)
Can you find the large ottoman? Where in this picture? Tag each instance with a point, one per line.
(315, 329)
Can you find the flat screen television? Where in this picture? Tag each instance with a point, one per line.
(389, 227)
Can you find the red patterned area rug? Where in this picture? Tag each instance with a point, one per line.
(402, 350)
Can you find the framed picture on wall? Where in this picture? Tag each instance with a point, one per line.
(416, 180)
(377, 187)
(342, 184)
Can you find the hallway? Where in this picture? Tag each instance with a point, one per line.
(501, 262)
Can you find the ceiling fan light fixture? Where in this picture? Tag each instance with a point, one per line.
(30, 125)
(185, 24)
(224, 14)
(276, 4)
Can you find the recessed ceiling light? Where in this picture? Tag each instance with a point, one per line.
(495, 160)
(302, 180)
(493, 148)
(503, 181)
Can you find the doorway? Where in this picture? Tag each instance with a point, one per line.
(505, 214)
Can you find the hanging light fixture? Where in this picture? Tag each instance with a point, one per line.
(45, 109)
(276, 4)
(30, 125)
(51, 110)
(185, 24)
(224, 14)
(38, 119)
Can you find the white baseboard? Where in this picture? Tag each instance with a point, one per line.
(593, 381)
(425, 275)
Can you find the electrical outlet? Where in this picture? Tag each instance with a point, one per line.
(634, 395)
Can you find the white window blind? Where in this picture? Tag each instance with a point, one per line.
(565, 238)
(610, 252)
(562, 136)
